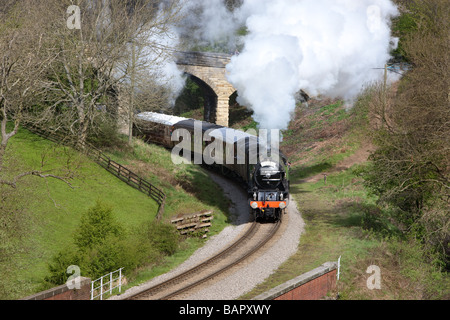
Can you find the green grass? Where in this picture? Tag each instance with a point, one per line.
(188, 187)
(169, 263)
(328, 115)
(56, 208)
(343, 220)
(324, 159)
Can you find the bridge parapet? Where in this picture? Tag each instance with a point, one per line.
(203, 59)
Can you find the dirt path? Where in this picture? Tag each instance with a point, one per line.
(360, 156)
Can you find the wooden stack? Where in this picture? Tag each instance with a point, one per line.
(197, 223)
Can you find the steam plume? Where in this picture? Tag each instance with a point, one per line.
(326, 47)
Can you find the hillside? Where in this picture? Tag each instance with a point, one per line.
(49, 211)
(342, 218)
(328, 140)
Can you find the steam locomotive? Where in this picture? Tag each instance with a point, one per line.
(264, 172)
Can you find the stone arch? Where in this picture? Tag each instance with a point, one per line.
(210, 68)
(210, 96)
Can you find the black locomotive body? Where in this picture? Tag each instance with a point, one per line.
(242, 156)
(269, 189)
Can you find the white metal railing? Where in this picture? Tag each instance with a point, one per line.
(107, 284)
(339, 268)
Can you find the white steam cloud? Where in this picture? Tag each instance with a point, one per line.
(154, 65)
(325, 47)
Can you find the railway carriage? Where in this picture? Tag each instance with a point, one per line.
(156, 127)
(264, 172)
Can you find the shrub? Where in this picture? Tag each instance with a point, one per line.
(410, 168)
(58, 267)
(163, 237)
(96, 226)
(101, 246)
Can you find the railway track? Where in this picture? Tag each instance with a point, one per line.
(256, 236)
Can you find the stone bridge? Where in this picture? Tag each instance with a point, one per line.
(207, 69)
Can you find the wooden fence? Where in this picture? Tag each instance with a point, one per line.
(111, 166)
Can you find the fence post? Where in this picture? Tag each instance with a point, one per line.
(110, 282)
(101, 288)
(120, 280)
(153, 192)
(161, 209)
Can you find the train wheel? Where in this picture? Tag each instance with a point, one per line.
(252, 212)
(280, 215)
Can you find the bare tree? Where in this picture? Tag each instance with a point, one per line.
(99, 59)
(411, 167)
(85, 68)
(24, 60)
(146, 86)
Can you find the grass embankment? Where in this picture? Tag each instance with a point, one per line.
(188, 189)
(54, 209)
(342, 219)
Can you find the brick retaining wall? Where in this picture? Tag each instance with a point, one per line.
(313, 285)
(64, 293)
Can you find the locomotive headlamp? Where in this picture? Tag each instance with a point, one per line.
(254, 196)
(254, 205)
(282, 205)
(281, 196)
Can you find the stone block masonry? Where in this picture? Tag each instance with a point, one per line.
(210, 68)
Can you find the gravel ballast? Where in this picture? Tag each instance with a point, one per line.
(250, 274)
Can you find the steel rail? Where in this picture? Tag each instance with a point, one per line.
(227, 267)
(181, 277)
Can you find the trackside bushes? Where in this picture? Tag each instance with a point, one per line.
(101, 245)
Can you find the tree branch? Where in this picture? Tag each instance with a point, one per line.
(13, 183)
